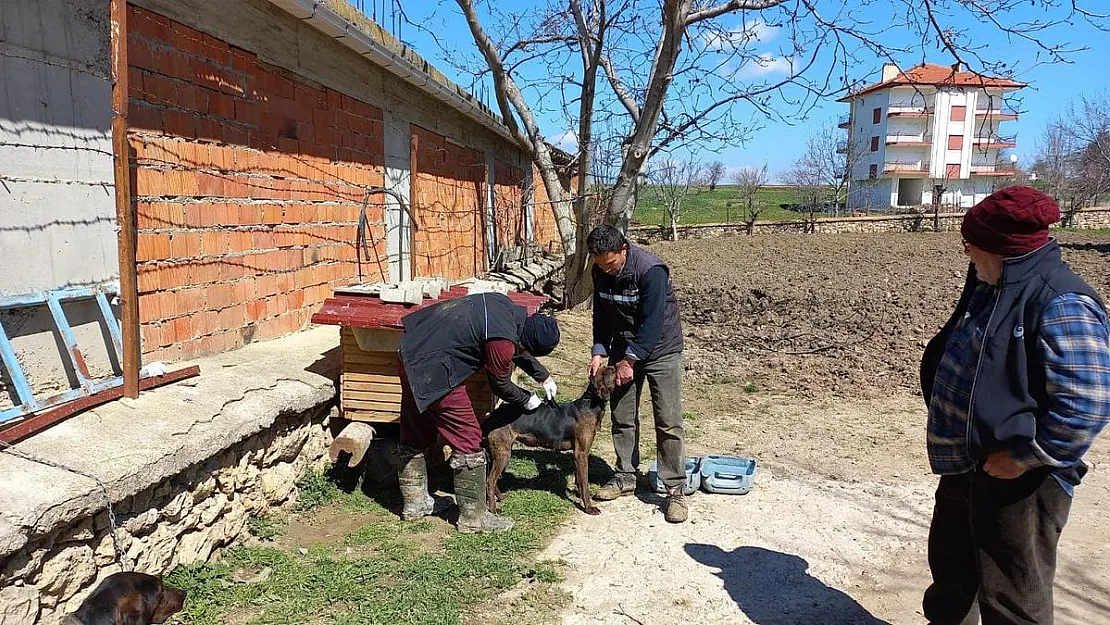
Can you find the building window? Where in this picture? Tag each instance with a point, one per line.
(876, 115)
(959, 113)
(952, 171)
(873, 171)
(955, 142)
(874, 144)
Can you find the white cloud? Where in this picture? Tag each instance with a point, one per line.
(567, 141)
(756, 31)
(764, 65)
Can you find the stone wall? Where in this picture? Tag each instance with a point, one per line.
(949, 222)
(182, 520)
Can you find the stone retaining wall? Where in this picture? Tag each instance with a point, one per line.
(182, 520)
(949, 222)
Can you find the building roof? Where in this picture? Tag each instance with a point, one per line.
(937, 75)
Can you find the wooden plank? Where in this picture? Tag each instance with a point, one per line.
(370, 358)
(370, 416)
(371, 378)
(392, 389)
(385, 398)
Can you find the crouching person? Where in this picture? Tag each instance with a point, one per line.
(443, 345)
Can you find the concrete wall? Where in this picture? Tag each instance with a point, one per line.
(57, 203)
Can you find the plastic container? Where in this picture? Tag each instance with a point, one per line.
(693, 477)
(729, 475)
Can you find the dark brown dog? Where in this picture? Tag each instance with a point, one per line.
(128, 599)
(570, 426)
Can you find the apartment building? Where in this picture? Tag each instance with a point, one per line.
(925, 128)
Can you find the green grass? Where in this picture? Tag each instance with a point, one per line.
(265, 527)
(387, 571)
(707, 206)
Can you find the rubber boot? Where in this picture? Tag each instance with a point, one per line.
(412, 476)
(470, 493)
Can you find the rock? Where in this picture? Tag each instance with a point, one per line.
(19, 605)
(279, 482)
(22, 565)
(141, 523)
(67, 570)
(204, 490)
(177, 507)
(195, 547)
(243, 576)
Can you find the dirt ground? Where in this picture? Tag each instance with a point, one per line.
(802, 352)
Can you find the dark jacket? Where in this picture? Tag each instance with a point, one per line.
(636, 311)
(1009, 387)
(444, 344)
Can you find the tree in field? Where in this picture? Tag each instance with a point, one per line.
(633, 79)
(714, 173)
(672, 181)
(748, 182)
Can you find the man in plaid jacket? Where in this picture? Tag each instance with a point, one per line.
(1018, 387)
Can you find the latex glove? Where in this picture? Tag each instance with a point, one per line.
(533, 402)
(550, 388)
(596, 363)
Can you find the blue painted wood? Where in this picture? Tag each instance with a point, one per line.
(113, 324)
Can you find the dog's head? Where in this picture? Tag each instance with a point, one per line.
(604, 381)
(131, 599)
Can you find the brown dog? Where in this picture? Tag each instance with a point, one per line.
(128, 599)
(570, 426)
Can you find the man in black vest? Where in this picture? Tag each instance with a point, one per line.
(443, 345)
(1018, 385)
(637, 329)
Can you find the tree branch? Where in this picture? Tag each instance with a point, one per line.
(729, 7)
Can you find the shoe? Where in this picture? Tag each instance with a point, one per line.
(470, 493)
(676, 510)
(620, 485)
(412, 477)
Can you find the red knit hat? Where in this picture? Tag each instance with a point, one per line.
(1011, 221)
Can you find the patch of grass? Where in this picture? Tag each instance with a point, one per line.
(750, 387)
(722, 205)
(386, 571)
(266, 526)
(689, 417)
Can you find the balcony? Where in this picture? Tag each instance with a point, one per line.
(997, 169)
(996, 114)
(904, 168)
(909, 141)
(908, 110)
(844, 121)
(996, 141)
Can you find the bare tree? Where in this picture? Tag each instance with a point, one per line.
(1073, 158)
(705, 72)
(748, 181)
(821, 173)
(672, 181)
(714, 173)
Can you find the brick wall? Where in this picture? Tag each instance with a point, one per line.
(508, 196)
(449, 191)
(248, 183)
(544, 231)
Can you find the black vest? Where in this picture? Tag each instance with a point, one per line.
(1009, 387)
(619, 305)
(444, 343)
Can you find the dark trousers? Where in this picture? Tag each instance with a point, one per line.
(452, 417)
(664, 380)
(992, 549)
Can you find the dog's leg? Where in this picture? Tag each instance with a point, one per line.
(500, 449)
(583, 441)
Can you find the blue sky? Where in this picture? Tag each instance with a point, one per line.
(778, 144)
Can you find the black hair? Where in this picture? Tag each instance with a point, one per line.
(604, 239)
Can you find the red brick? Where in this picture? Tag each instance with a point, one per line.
(296, 299)
(180, 123)
(214, 243)
(189, 301)
(233, 317)
(219, 296)
(155, 306)
(210, 185)
(286, 282)
(184, 328)
(150, 336)
(271, 214)
(256, 310)
(243, 60)
(262, 240)
(243, 291)
(208, 322)
(152, 247)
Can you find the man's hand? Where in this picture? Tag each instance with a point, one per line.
(596, 363)
(533, 402)
(624, 372)
(550, 389)
(1001, 465)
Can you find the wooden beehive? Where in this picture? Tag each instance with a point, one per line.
(370, 388)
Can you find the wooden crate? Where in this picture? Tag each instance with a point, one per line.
(370, 389)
